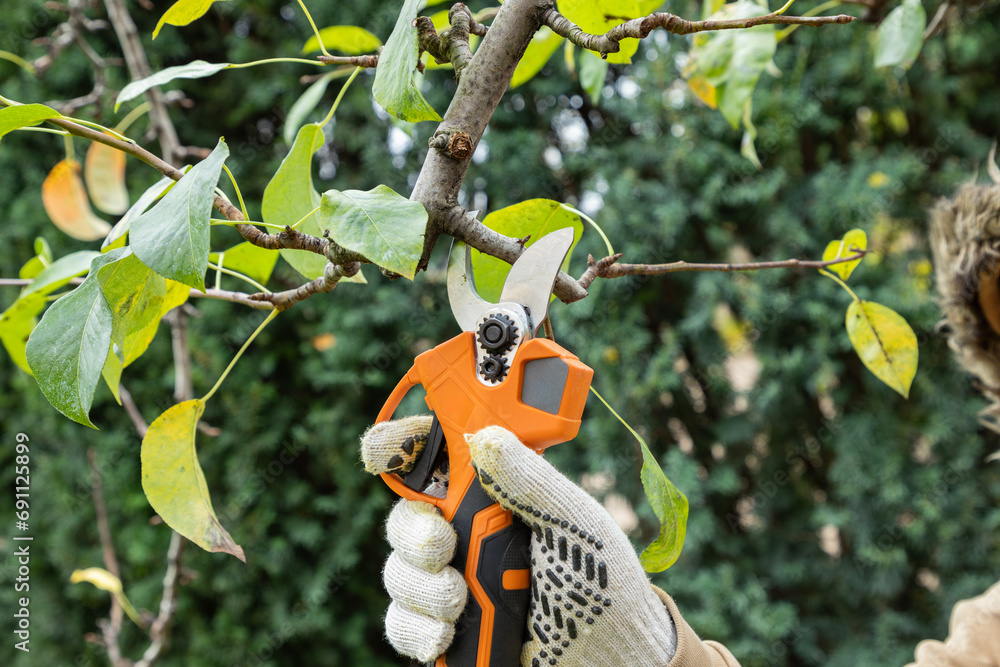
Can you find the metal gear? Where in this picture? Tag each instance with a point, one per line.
(493, 368)
(497, 333)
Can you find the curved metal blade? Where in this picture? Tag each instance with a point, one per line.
(532, 276)
(466, 304)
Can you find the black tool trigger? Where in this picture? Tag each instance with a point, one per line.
(429, 461)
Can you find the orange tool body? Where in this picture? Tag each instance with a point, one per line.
(539, 396)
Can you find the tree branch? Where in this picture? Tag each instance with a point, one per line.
(608, 267)
(640, 27)
(289, 238)
(159, 631)
(356, 61)
(138, 66)
(325, 283)
(225, 295)
(109, 630)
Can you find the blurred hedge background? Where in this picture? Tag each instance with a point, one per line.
(832, 522)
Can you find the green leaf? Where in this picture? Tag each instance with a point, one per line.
(60, 272)
(24, 115)
(43, 250)
(747, 147)
(725, 66)
(174, 483)
(304, 106)
(112, 372)
(383, 226)
(669, 504)
(901, 35)
(394, 88)
(67, 350)
(543, 44)
(183, 12)
(16, 324)
(197, 69)
(116, 237)
(137, 342)
(290, 196)
(885, 343)
(752, 51)
(246, 258)
(536, 217)
(348, 39)
(599, 16)
(856, 238)
(172, 237)
(593, 73)
(134, 294)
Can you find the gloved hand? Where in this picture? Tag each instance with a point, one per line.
(591, 602)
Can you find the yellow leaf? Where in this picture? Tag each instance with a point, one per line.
(877, 179)
(885, 343)
(174, 483)
(856, 238)
(99, 577)
(183, 12)
(324, 342)
(66, 203)
(348, 39)
(104, 173)
(136, 342)
(705, 91)
(106, 581)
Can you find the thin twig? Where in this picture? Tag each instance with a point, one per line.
(290, 238)
(133, 411)
(138, 65)
(608, 267)
(211, 293)
(159, 631)
(183, 383)
(110, 630)
(370, 60)
(325, 283)
(640, 27)
(937, 21)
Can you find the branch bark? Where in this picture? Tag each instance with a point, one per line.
(480, 90)
(608, 267)
(638, 28)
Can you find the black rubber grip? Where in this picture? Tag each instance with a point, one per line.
(506, 549)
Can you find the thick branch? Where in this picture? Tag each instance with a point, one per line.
(640, 27)
(609, 267)
(464, 226)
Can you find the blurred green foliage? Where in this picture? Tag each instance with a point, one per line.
(831, 522)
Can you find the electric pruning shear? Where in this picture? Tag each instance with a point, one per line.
(494, 373)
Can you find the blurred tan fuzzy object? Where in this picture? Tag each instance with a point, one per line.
(965, 240)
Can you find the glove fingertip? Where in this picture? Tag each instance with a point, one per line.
(415, 635)
(394, 446)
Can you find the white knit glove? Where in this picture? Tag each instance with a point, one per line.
(591, 603)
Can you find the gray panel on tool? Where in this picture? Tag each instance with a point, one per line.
(544, 380)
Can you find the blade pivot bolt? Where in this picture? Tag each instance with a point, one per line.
(497, 333)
